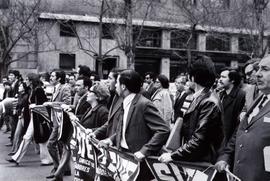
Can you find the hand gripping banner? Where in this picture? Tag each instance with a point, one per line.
(180, 171)
(90, 160)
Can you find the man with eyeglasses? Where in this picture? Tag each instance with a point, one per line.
(150, 85)
(250, 87)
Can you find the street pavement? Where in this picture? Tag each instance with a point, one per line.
(28, 170)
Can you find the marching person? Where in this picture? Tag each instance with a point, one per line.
(248, 152)
(141, 130)
(37, 97)
(61, 95)
(202, 131)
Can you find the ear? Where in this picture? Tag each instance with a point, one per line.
(123, 86)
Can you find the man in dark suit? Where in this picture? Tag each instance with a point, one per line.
(150, 88)
(60, 96)
(82, 85)
(180, 96)
(232, 98)
(141, 130)
(248, 151)
(110, 126)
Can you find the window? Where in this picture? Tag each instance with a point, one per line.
(180, 38)
(67, 29)
(4, 4)
(247, 43)
(67, 61)
(149, 37)
(107, 31)
(218, 42)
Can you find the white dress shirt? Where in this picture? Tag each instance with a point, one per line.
(126, 105)
(256, 109)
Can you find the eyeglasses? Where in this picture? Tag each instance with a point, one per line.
(147, 78)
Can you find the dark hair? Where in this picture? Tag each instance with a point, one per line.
(233, 75)
(60, 74)
(46, 76)
(151, 75)
(15, 72)
(84, 71)
(96, 76)
(116, 72)
(131, 79)
(203, 70)
(86, 81)
(25, 87)
(164, 81)
(7, 83)
(34, 78)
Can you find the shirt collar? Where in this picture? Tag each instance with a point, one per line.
(197, 93)
(128, 99)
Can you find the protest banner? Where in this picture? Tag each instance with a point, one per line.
(180, 171)
(89, 158)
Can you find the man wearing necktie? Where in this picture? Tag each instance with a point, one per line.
(141, 131)
(248, 151)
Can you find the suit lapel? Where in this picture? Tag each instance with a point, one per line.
(117, 102)
(57, 92)
(261, 113)
(81, 102)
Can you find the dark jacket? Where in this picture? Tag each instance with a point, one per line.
(38, 97)
(245, 151)
(232, 106)
(81, 106)
(202, 130)
(178, 103)
(23, 110)
(146, 131)
(109, 128)
(95, 117)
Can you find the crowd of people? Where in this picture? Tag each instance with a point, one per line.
(224, 118)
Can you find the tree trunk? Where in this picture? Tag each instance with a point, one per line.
(129, 35)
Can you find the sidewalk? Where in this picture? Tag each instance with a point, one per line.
(28, 170)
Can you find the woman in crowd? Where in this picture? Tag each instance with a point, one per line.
(162, 98)
(97, 114)
(37, 97)
(23, 113)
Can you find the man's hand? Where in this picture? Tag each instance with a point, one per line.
(139, 156)
(88, 131)
(92, 135)
(72, 117)
(65, 107)
(165, 158)
(48, 104)
(32, 106)
(105, 143)
(221, 166)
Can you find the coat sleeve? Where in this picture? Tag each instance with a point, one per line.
(206, 122)
(158, 127)
(227, 154)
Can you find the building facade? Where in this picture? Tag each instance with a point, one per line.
(69, 34)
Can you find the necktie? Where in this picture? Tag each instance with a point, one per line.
(257, 109)
(262, 102)
(224, 97)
